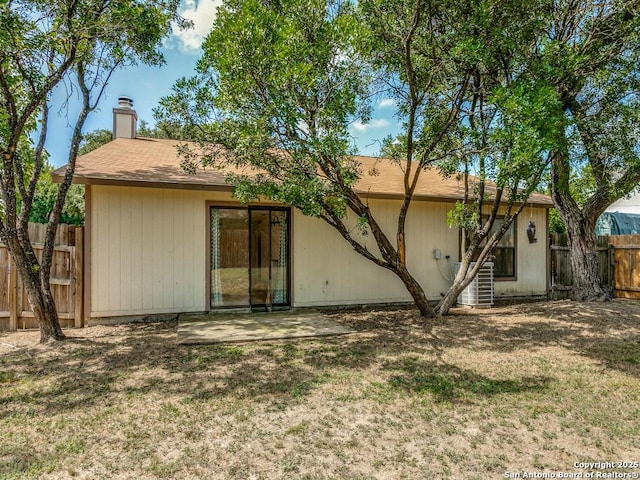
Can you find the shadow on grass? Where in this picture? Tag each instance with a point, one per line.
(146, 359)
(81, 372)
(606, 332)
(451, 384)
(25, 464)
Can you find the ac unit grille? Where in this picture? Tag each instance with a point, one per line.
(479, 293)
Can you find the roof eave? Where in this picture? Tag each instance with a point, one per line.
(80, 179)
(436, 198)
(83, 180)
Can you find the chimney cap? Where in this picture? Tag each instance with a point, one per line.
(125, 102)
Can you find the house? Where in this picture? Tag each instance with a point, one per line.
(627, 204)
(161, 241)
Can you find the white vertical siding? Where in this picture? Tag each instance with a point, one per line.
(148, 254)
(531, 258)
(160, 228)
(135, 258)
(114, 223)
(127, 198)
(149, 201)
(148, 250)
(328, 271)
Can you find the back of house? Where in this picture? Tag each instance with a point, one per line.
(159, 241)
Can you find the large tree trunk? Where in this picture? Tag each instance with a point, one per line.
(44, 310)
(416, 291)
(580, 223)
(463, 278)
(38, 293)
(454, 291)
(587, 285)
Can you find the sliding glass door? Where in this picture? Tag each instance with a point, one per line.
(280, 282)
(260, 258)
(229, 257)
(249, 257)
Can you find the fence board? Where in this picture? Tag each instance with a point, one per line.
(604, 259)
(4, 280)
(12, 305)
(561, 276)
(618, 263)
(15, 311)
(627, 275)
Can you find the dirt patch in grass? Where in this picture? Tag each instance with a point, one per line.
(534, 387)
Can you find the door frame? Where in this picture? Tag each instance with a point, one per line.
(235, 206)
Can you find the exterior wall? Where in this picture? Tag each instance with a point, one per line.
(148, 254)
(531, 258)
(148, 250)
(327, 271)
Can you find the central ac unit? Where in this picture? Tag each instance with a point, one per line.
(479, 293)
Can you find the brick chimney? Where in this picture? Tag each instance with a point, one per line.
(125, 119)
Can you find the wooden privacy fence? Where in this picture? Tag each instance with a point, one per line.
(66, 280)
(618, 260)
(626, 265)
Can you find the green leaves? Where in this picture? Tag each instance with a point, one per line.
(44, 43)
(278, 86)
(45, 197)
(291, 75)
(94, 139)
(592, 67)
(464, 216)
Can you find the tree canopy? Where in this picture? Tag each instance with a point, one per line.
(280, 83)
(43, 44)
(47, 191)
(45, 196)
(94, 139)
(590, 57)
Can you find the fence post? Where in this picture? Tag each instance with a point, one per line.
(13, 296)
(79, 278)
(612, 267)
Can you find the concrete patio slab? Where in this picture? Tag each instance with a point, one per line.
(243, 327)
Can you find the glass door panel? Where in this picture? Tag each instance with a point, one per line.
(229, 257)
(269, 257)
(259, 257)
(280, 257)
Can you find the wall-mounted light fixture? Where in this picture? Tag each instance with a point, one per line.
(531, 232)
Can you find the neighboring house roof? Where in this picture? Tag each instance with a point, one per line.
(151, 162)
(627, 204)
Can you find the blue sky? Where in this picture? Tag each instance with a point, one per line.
(146, 85)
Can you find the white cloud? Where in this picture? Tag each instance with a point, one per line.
(386, 103)
(363, 127)
(201, 13)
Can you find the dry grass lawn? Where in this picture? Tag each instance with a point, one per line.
(521, 388)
